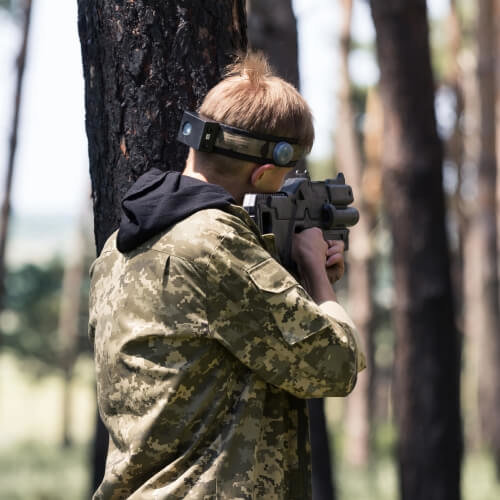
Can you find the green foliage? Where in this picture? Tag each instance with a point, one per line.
(29, 322)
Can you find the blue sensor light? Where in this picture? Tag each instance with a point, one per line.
(187, 129)
(282, 153)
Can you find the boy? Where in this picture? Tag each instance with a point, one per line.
(205, 346)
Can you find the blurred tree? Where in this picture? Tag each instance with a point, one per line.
(144, 63)
(5, 211)
(461, 157)
(272, 29)
(485, 224)
(29, 321)
(427, 364)
(70, 308)
(453, 79)
(360, 271)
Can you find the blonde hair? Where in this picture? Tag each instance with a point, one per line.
(252, 98)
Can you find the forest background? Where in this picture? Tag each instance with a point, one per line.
(47, 402)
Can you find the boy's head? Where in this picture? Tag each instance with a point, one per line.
(252, 98)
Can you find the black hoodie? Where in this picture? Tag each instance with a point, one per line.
(158, 200)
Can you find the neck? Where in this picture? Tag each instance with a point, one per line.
(237, 187)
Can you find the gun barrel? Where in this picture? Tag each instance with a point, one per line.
(336, 216)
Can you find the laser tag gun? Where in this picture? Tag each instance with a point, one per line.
(302, 204)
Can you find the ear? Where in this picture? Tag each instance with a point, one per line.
(258, 172)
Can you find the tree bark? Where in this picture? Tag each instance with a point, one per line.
(144, 62)
(427, 363)
(360, 269)
(485, 220)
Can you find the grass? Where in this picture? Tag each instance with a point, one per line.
(36, 471)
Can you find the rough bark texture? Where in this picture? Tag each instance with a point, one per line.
(272, 28)
(144, 62)
(360, 263)
(427, 342)
(485, 220)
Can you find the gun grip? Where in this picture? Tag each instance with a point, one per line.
(340, 234)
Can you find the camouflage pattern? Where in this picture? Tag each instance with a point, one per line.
(205, 347)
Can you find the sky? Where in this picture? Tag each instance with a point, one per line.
(51, 173)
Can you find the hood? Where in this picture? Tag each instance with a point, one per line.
(158, 200)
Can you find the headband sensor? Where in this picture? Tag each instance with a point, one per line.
(210, 136)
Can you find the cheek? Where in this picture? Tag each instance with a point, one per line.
(281, 178)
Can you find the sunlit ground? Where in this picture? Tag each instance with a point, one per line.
(34, 466)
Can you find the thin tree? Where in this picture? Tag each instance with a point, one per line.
(485, 222)
(272, 28)
(69, 316)
(360, 276)
(144, 63)
(427, 358)
(5, 211)
(462, 154)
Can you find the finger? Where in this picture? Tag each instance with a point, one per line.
(335, 249)
(336, 244)
(334, 259)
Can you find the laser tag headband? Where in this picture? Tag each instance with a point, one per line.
(210, 136)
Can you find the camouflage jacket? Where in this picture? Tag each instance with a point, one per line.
(205, 348)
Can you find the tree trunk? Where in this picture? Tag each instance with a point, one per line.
(360, 270)
(462, 152)
(5, 212)
(68, 326)
(272, 29)
(455, 153)
(485, 220)
(323, 480)
(144, 62)
(427, 363)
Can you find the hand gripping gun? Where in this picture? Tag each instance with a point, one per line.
(302, 204)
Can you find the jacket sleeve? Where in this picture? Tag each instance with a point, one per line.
(260, 313)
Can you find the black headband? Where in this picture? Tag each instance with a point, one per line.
(214, 137)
